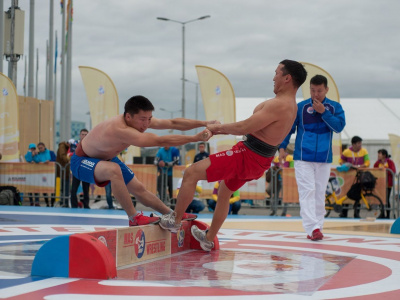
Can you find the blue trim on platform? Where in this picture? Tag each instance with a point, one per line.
(63, 210)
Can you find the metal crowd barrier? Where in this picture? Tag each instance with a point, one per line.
(61, 193)
(164, 196)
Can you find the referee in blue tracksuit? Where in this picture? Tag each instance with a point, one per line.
(317, 118)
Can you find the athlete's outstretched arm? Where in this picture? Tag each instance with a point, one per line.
(147, 139)
(178, 123)
(259, 120)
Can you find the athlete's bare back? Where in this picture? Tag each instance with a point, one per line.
(272, 119)
(274, 132)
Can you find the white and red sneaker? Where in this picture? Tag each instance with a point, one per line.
(140, 219)
(316, 235)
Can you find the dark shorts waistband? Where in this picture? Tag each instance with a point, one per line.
(258, 146)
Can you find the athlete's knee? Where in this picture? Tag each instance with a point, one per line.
(115, 172)
(191, 174)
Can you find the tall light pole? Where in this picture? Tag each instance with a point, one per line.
(197, 99)
(183, 53)
(172, 114)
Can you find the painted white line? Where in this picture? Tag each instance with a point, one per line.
(33, 286)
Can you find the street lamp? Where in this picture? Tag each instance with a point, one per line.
(197, 99)
(172, 115)
(183, 53)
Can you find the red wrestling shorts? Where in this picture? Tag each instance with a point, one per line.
(237, 166)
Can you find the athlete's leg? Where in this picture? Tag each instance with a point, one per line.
(192, 175)
(145, 197)
(107, 170)
(221, 210)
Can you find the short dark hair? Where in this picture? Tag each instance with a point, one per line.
(296, 70)
(384, 152)
(137, 103)
(355, 139)
(41, 144)
(83, 129)
(318, 80)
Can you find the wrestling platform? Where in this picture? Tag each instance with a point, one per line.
(59, 253)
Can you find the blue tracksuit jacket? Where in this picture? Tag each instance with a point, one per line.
(315, 131)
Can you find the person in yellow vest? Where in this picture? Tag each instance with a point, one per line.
(358, 157)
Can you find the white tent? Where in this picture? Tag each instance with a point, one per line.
(370, 118)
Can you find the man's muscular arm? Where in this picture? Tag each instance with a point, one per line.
(259, 120)
(178, 123)
(148, 139)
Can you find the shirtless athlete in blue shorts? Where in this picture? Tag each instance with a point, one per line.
(95, 158)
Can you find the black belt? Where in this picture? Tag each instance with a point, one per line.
(258, 146)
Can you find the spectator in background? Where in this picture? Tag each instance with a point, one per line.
(202, 153)
(109, 196)
(75, 181)
(276, 166)
(165, 159)
(63, 159)
(384, 161)
(72, 144)
(358, 157)
(234, 200)
(196, 206)
(31, 157)
(44, 157)
(355, 154)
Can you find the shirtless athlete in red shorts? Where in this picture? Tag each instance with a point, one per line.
(247, 160)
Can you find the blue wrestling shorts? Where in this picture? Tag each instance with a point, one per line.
(82, 167)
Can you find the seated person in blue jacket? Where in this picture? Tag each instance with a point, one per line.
(234, 200)
(42, 156)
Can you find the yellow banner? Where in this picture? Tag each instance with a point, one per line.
(332, 94)
(9, 128)
(344, 179)
(219, 104)
(29, 178)
(101, 94)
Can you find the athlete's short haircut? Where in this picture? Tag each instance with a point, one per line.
(296, 70)
(318, 80)
(136, 104)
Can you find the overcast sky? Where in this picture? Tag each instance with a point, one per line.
(356, 41)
